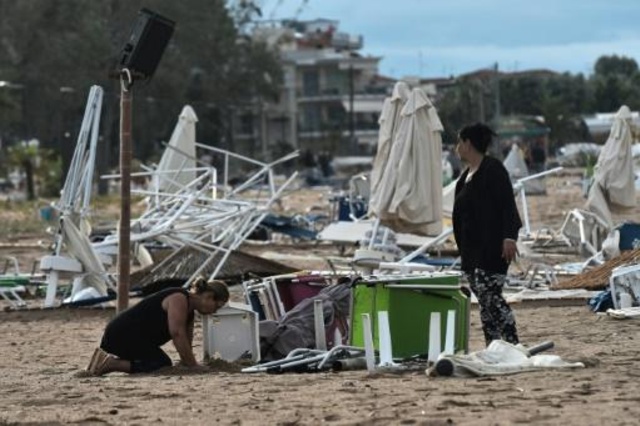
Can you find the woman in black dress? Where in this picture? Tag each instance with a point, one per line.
(132, 340)
(485, 225)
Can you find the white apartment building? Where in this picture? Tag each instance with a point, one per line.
(331, 98)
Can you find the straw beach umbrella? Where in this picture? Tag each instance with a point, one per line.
(613, 183)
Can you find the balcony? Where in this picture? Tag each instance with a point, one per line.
(327, 94)
(321, 129)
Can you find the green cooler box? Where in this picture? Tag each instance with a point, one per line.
(409, 301)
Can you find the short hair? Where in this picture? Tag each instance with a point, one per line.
(218, 288)
(480, 135)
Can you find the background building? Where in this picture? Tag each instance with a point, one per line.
(331, 98)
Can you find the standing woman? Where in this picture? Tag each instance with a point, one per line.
(485, 225)
(132, 340)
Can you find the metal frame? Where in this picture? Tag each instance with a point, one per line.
(206, 214)
(74, 206)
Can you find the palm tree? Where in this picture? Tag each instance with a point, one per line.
(23, 155)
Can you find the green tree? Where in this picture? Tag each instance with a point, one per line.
(42, 168)
(562, 99)
(615, 65)
(615, 83)
(461, 104)
(24, 156)
(521, 94)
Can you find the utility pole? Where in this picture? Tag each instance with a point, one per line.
(481, 101)
(496, 117)
(290, 84)
(352, 119)
(496, 80)
(263, 130)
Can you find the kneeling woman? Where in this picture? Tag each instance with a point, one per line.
(132, 340)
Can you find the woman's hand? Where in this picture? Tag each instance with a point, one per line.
(196, 366)
(191, 369)
(509, 250)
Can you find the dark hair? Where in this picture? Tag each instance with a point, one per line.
(480, 135)
(218, 288)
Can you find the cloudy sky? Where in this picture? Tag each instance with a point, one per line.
(436, 38)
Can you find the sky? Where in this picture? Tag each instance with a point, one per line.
(440, 38)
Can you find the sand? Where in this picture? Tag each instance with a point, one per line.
(43, 355)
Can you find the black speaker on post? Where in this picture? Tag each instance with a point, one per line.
(149, 37)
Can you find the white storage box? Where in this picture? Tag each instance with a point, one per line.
(232, 334)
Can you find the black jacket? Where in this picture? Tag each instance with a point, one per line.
(484, 214)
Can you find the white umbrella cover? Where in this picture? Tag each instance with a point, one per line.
(79, 246)
(514, 163)
(613, 182)
(389, 120)
(416, 205)
(183, 139)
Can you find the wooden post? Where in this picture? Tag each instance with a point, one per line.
(124, 233)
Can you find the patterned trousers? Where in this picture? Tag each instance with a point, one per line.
(497, 318)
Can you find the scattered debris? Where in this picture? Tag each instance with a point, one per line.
(598, 277)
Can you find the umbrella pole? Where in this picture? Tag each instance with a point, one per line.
(525, 211)
(437, 240)
(374, 232)
(385, 235)
(523, 197)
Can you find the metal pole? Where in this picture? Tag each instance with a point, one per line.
(525, 210)
(125, 195)
(263, 130)
(290, 84)
(481, 100)
(352, 120)
(497, 93)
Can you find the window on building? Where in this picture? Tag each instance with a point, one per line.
(310, 83)
(335, 116)
(337, 82)
(311, 118)
(246, 124)
(367, 121)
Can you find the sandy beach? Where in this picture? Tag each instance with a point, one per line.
(44, 354)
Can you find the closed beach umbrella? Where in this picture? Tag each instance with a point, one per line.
(176, 165)
(613, 181)
(416, 163)
(514, 163)
(381, 174)
(78, 245)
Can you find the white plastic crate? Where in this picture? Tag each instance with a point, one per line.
(231, 334)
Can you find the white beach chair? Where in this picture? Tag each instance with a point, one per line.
(13, 283)
(585, 230)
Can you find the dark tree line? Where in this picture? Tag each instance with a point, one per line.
(52, 51)
(562, 99)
